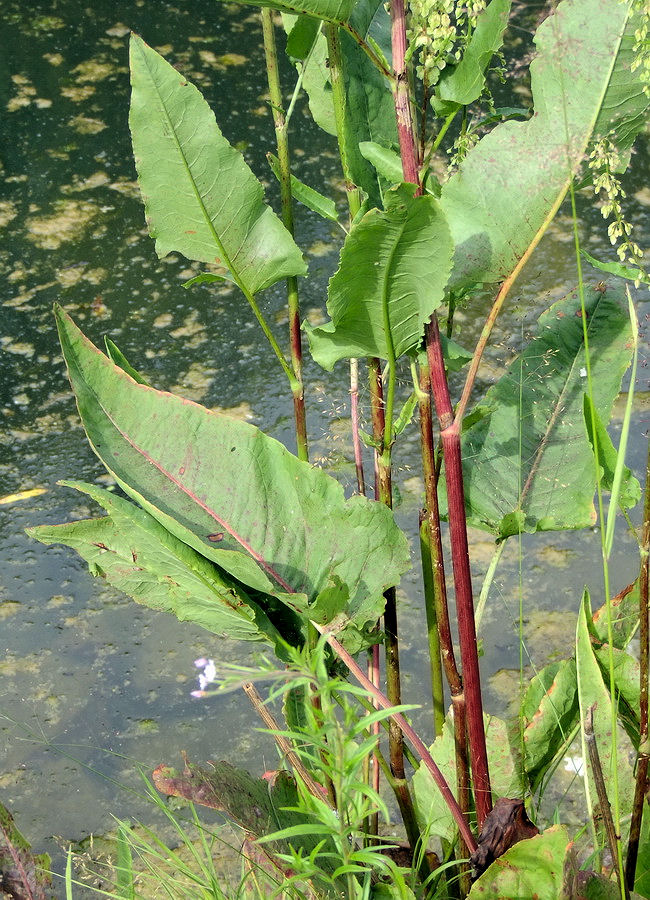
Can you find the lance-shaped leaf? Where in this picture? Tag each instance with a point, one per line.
(137, 555)
(392, 275)
(549, 712)
(592, 692)
(200, 196)
(237, 496)
(630, 493)
(510, 184)
(546, 480)
(464, 83)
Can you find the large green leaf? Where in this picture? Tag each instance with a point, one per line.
(392, 276)
(549, 711)
(518, 174)
(592, 692)
(464, 83)
(532, 868)
(200, 196)
(625, 617)
(528, 463)
(369, 113)
(134, 553)
(237, 496)
(505, 774)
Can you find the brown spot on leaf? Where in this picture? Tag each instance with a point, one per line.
(216, 537)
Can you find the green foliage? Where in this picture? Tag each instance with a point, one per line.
(505, 771)
(549, 711)
(231, 531)
(593, 694)
(552, 485)
(305, 194)
(630, 493)
(236, 496)
(512, 182)
(464, 83)
(200, 196)
(393, 270)
(532, 868)
(135, 554)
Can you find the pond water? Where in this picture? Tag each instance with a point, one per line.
(89, 680)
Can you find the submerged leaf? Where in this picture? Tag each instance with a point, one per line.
(200, 196)
(392, 275)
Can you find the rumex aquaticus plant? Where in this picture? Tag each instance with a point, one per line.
(223, 526)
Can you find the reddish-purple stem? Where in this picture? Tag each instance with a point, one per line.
(450, 435)
(401, 94)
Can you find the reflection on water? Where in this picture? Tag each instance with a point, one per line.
(86, 674)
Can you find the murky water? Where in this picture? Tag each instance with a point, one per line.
(88, 679)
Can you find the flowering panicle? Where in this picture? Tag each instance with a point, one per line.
(438, 31)
(604, 160)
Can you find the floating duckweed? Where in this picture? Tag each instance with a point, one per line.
(67, 224)
(194, 383)
(319, 248)
(26, 91)
(118, 30)
(93, 70)
(86, 125)
(97, 179)
(7, 212)
(232, 59)
(19, 348)
(77, 93)
(47, 23)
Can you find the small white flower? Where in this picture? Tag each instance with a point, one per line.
(207, 676)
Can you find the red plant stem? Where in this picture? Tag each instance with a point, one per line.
(408, 732)
(441, 606)
(450, 435)
(641, 783)
(401, 97)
